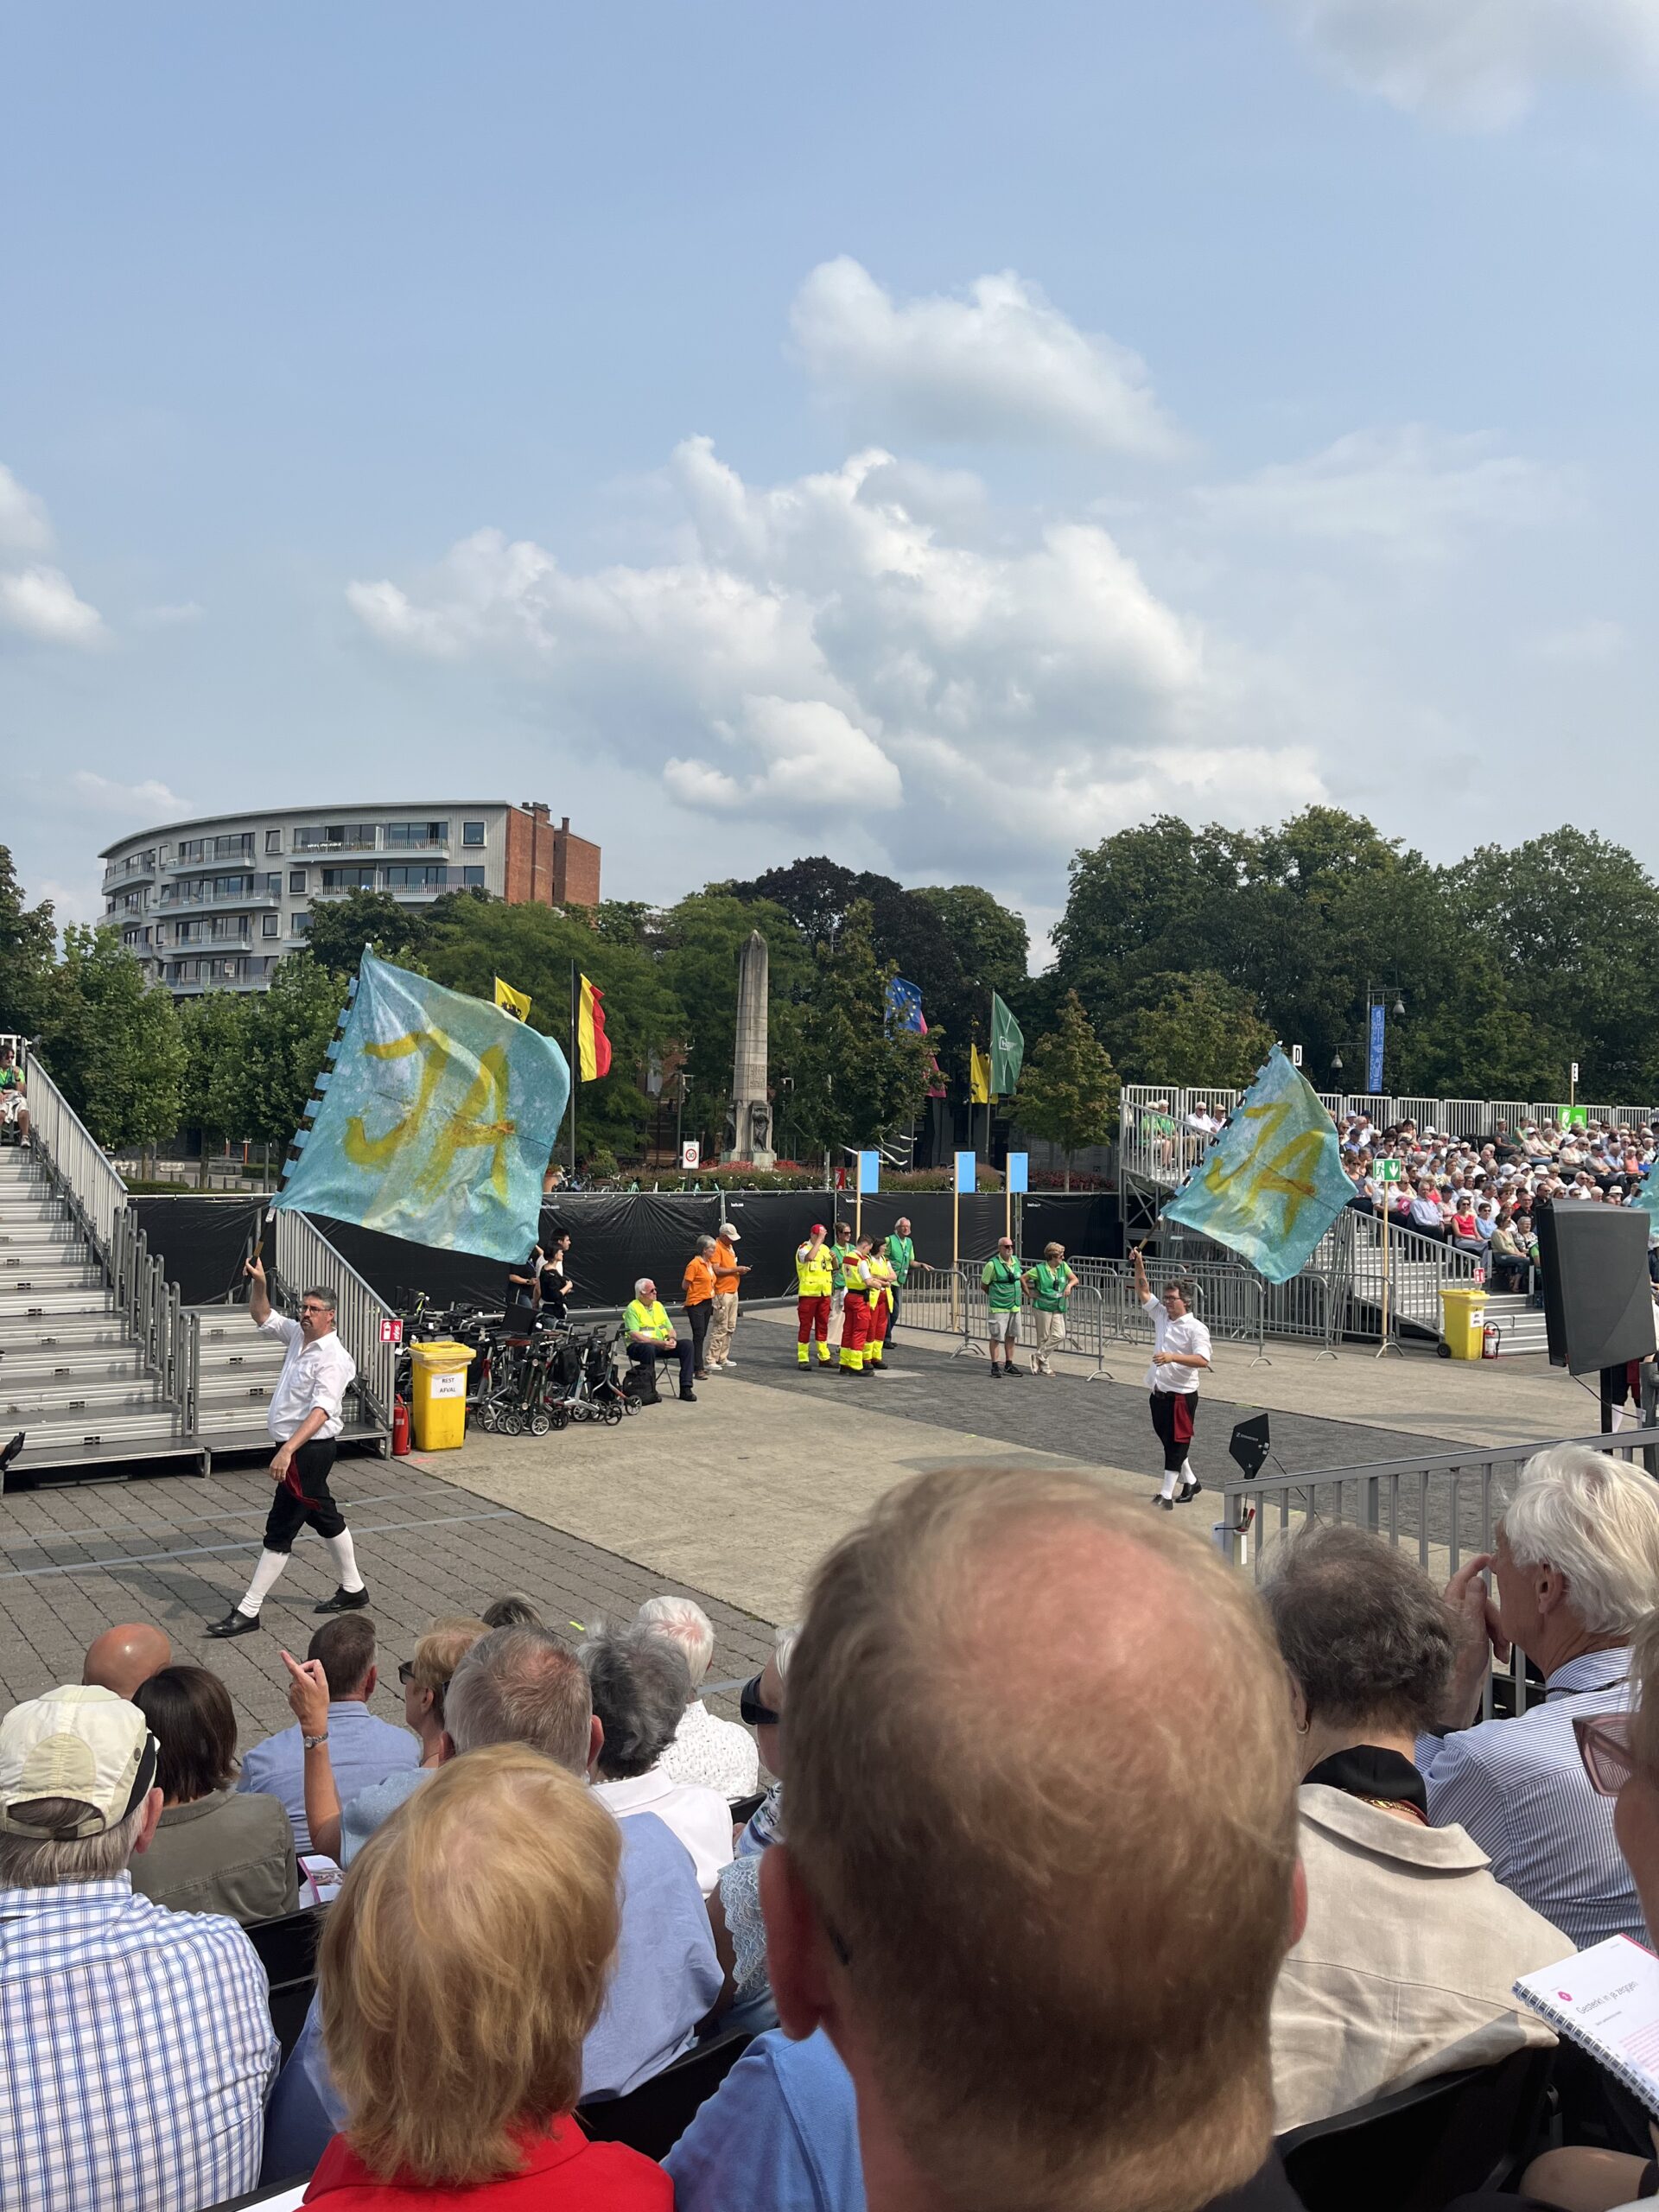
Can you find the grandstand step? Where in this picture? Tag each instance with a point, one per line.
(20, 1239)
(63, 1456)
(97, 1325)
(68, 1366)
(16, 1303)
(25, 1405)
(54, 1268)
(19, 1217)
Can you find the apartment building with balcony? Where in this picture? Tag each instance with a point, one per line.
(213, 905)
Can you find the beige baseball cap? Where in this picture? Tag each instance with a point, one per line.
(80, 1742)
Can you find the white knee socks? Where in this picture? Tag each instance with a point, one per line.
(264, 1575)
(339, 1550)
(1172, 1479)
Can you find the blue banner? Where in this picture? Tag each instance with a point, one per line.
(1019, 1173)
(437, 1120)
(869, 1173)
(1272, 1182)
(905, 1007)
(967, 1173)
(1374, 1053)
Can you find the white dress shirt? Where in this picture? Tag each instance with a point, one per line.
(700, 1818)
(1187, 1335)
(716, 1754)
(313, 1375)
(1405, 1968)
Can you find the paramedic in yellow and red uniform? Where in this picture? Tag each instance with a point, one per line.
(856, 1283)
(884, 1281)
(815, 1283)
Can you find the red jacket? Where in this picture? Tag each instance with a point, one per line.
(564, 2172)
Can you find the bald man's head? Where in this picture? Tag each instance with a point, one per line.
(122, 1657)
(1066, 1894)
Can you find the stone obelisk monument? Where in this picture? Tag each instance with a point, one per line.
(751, 1108)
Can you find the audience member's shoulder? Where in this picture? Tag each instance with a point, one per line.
(651, 1851)
(781, 2130)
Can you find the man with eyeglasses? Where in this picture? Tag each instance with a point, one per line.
(303, 1419)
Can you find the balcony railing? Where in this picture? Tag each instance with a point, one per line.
(137, 869)
(217, 853)
(176, 896)
(309, 841)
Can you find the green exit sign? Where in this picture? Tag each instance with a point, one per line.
(1387, 1170)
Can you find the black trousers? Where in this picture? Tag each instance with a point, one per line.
(699, 1316)
(681, 1349)
(307, 1474)
(1173, 1412)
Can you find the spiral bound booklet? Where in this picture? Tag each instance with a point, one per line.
(1606, 1999)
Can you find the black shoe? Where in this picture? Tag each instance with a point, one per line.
(1189, 1493)
(343, 1601)
(1011, 1369)
(687, 1397)
(1168, 1504)
(234, 1623)
(12, 1449)
(995, 1370)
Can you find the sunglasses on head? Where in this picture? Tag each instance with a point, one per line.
(753, 1708)
(1604, 1740)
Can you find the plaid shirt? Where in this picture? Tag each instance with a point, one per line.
(136, 2053)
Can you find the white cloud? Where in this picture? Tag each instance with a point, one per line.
(151, 799)
(1406, 493)
(41, 602)
(1001, 364)
(1481, 63)
(817, 645)
(24, 527)
(1589, 644)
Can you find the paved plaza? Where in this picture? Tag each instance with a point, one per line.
(733, 1500)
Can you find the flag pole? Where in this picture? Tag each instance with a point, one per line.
(575, 1059)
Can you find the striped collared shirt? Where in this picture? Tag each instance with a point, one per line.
(136, 2053)
(1520, 1789)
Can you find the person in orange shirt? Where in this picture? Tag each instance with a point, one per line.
(699, 1287)
(727, 1274)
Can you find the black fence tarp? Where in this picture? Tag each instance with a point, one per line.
(618, 1236)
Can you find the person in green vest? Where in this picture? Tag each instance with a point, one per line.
(651, 1336)
(900, 1254)
(1004, 1289)
(1051, 1282)
(841, 1252)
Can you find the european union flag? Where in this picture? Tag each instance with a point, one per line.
(1272, 1183)
(436, 1121)
(905, 1007)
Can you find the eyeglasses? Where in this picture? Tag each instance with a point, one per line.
(753, 1707)
(1604, 1740)
(406, 1671)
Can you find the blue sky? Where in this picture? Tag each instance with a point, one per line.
(935, 435)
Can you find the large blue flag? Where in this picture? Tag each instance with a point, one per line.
(1272, 1182)
(436, 1121)
(905, 1007)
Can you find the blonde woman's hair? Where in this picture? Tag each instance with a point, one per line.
(1644, 1674)
(464, 1962)
(440, 1651)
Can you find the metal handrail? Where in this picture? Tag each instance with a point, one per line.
(305, 1256)
(1446, 1503)
(74, 1159)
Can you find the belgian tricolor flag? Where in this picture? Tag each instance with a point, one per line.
(593, 1045)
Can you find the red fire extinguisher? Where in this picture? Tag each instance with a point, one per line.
(1488, 1341)
(399, 1429)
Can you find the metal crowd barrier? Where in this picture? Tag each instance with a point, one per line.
(1444, 1508)
(75, 1160)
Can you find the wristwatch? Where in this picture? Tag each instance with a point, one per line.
(311, 1742)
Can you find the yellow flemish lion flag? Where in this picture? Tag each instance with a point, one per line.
(516, 1003)
(979, 1076)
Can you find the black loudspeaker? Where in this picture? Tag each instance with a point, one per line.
(1250, 1443)
(1598, 1299)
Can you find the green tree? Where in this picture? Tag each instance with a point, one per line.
(1192, 1029)
(853, 1081)
(292, 1027)
(221, 1089)
(28, 946)
(698, 942)
(342, 927)
(1069, 1089)
(113, 1045)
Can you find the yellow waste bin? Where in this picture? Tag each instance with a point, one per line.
(438, 1393)
(1465, 1309)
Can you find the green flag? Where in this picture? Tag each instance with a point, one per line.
(1008, 1050)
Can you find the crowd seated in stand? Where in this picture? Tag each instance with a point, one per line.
(524, 1685)
(455, 2011)
(739, 1929)
(1407, 1965)
(137, 2044)
(1576, 1571)
(718, 1754)
(640, 1684)
(215, 1849)
(363, 1748)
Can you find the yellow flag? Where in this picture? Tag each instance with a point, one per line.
(979, 1076)
(516, 1003)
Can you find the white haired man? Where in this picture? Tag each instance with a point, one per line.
(138, 2044)
(1103, 2038)
(305, 1416)
(651, 1336)
(716, 1753)
(1576, 1570)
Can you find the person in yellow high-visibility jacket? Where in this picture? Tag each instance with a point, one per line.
(884, 1283)
(857, 1282)
(815, 1283)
